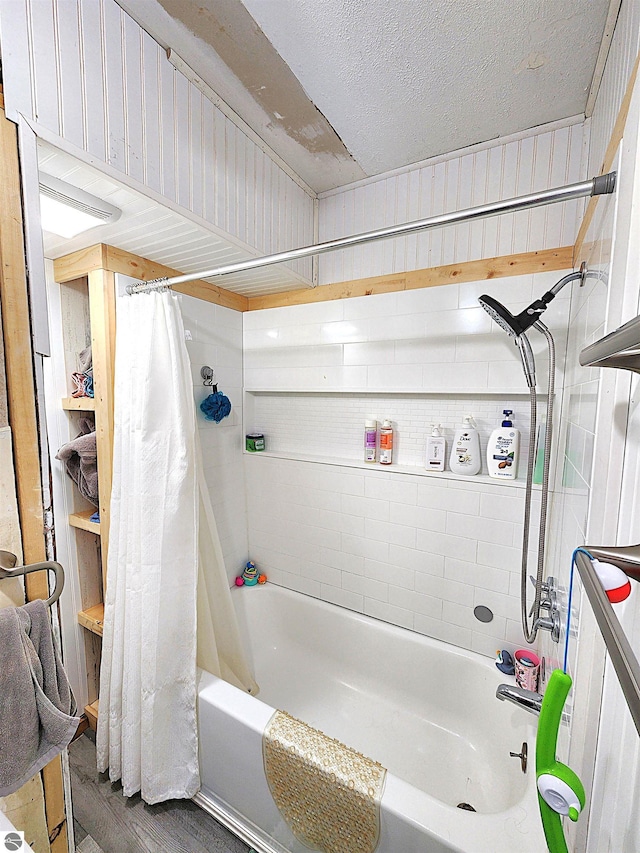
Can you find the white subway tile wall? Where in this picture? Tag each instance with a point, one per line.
(322, 425)
(418, 554)
(433, 339)
(214, 338)
(418, 551)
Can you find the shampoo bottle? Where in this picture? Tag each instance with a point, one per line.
(502, 450)
(436, 449)
(370, 440)
(465, 452)
(386, 443)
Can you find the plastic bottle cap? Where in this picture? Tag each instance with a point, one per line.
(371, 424)
(386, 424)
(435, 431)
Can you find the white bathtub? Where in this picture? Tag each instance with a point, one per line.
(426, 711)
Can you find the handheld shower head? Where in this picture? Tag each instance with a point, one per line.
(516, 327)
(518, 324)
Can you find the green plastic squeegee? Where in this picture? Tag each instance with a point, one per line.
(560, 791)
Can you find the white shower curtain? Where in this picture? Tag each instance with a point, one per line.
(167, 597)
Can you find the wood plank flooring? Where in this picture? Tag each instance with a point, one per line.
(106, 821)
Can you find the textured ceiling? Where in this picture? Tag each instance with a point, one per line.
(404, 81)
(342, 89)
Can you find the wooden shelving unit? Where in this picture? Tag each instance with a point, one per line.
(91, 712)
(87, 298)
(92, 619)
(79, 404)
(82, 521)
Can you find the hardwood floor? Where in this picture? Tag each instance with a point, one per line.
(107, 822)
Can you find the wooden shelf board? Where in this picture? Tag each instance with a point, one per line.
(79, 404)
(92, 619)
(81, 520)
(92, 714)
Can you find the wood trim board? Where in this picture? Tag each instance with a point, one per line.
(102, 256)
(609, 156)
(21, 396)
(486, 269)
(78, 264)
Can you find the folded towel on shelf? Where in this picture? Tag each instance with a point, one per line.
(81, 460)
(37, 708)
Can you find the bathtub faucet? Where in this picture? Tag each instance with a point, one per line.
(526, 699)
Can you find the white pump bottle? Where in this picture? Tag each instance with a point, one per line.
(465, 450)
(436, 449)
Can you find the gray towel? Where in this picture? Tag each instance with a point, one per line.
(36, 704)
(80, 458)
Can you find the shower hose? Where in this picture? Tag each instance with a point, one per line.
(531, 631)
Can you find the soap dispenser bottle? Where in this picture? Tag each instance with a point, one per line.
(502, 450)
(465, 452)
(436, 449)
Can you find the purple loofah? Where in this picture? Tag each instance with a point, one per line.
(216, 407)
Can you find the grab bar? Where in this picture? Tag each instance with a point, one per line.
(8, 569)
(620, 348)
(622, 655)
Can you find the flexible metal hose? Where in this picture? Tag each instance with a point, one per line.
(530, 633)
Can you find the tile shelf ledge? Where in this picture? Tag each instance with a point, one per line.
(412, 470)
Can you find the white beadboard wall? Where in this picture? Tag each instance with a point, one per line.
(408, 547)
(85, 71)
(536, 160)
(214, 338)
(622, 56)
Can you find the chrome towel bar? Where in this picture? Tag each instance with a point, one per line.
(622, 655)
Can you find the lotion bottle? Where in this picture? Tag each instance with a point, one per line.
(465, 451)
(370, 440)
(386, 443)
(502, 450)
(436, 449)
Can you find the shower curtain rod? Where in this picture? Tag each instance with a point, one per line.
(595, 186)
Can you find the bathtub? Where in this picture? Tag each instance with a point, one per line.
(425, 710)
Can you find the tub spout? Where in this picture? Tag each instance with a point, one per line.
(526, 699)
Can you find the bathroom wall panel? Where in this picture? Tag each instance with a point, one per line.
(417, 551)
(622, 56)
(85, 71)
(532, 161)
(374, 551)
(215, 339)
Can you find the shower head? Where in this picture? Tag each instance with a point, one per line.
(518, 324)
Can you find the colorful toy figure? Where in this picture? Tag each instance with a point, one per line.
(249, 576)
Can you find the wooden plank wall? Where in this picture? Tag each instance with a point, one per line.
(21, 395)
(87, 72)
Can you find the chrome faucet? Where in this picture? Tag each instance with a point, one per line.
(526, 699)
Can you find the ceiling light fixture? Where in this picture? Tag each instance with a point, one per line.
(67, 211)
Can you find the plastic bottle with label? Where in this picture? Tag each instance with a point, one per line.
(386, 443)
(436, 449)
(370, 440)
(502, 450)
(465, 451)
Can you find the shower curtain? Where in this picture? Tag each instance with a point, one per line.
(167, 598)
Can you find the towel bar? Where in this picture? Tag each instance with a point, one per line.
(8, 569)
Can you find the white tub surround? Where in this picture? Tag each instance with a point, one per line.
(425, 711)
